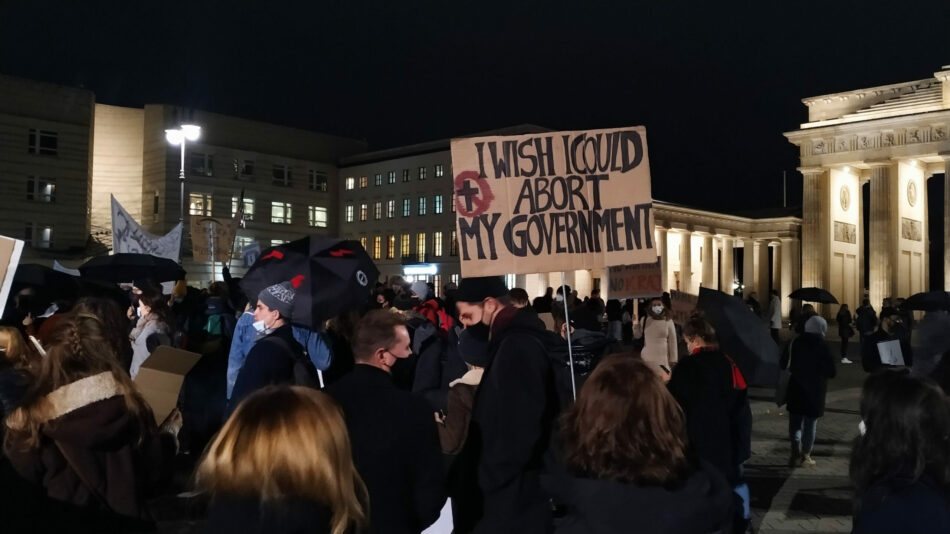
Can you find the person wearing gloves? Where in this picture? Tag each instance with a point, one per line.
(271, 360)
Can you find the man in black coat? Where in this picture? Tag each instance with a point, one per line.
(392, 432)
(271, 360)
(888, 331)
(513, 414)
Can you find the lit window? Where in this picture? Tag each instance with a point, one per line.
(199, 204)
(155, 204)
(363, 242)
(202, 164)
(391, 249)
(406, 207)
(246, 167)
(239, 243)
(248, 208)
(405, 175)
(350, 183)
(454, 245)
(455, 279)
(404, 252)
(363, 212)
(41, 189)
(317, 181)
(437, 282)
(282, 175)
(439, 171)
(437, 244)
(422, 173)
(277, 242)
(377, 247)
(452, 203)
(510, 280)
(363, 182)
(422, 205)
(421, 246)
(390, 209)
(392, 177)
(38, 236)
(43, 142)
(437, 204)
(280, 212)
(317, 216)
(349, 213)
(378, 211)
(378, 179)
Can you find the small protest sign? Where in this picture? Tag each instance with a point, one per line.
(211, 236)
(160, 378)
(250, 253)
(557, 201)
(635, 281)
(10, 250)
(682, 306)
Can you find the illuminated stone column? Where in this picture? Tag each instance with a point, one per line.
(748, 267)
(883, 232)
(707, 261)
(727, 271)
(663, 250)
(946, 213)
(762, 269)
(686, 261)
(785, 285)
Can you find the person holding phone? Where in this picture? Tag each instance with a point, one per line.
(659, 338)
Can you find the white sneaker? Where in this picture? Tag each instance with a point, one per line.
(845, 360)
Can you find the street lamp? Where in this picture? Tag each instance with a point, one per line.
(186, 132)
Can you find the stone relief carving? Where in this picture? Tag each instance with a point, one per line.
(913, 135)
(912, 193)
(938, 133)
(844, 196)
(845, 232)
(911, 229)
(841, 145)
(887, 138)
(818, 147)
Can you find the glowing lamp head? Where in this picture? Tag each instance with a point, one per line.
(191, 132)
(175, 137)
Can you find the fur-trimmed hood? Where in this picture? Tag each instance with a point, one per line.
(90, 412)
(82, 393)
(472, 378)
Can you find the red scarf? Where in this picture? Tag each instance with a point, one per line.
(738, 381)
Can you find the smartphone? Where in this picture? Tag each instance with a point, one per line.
(665, 369)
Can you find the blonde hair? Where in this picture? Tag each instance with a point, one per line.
(287, 441)
(77, 349)
(15, 349)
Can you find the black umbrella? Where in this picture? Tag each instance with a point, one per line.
(126, 267)
(928, 301)
(813, 294)
(43, 277)
(742, 335)
(330, 275)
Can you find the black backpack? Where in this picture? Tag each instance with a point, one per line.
(305, 373)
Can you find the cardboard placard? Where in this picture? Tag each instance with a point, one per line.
(556, 201)
(160, 377)
(682, 306)
(10, 250)
(209, 234)
(890, 352)
(635, 281)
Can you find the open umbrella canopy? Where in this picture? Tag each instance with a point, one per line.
(742, 335)
(126, 267)
(330, 276)
(41, 276)
(928, 301)
(813, 294)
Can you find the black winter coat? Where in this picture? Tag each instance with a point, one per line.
(270, 361)
(515, 407)
(812, 366)
(718, 416)
(395, 450)
(703, 503)
(871, 357)
(890, 506)
(230, 515)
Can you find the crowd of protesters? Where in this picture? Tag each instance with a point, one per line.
(370, 421)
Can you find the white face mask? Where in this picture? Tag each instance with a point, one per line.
(260, 327)
(658, 310)
(559, 297)
(862, 428)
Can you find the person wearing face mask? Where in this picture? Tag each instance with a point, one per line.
(709, 387)
(514, 410)
(393, 435)
(888, 336)
(271, 360)
(155, 317)
(659, 338)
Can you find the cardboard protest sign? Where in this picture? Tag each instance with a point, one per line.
(890, 352)
(557, 201)
(160, 377)
(635, 281)
(10, 250)
(212, 236)
(682, 306)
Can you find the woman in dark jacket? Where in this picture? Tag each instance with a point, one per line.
(87, 438)
(811, 367)
(643, 478)
(900, 466)
(282, 465)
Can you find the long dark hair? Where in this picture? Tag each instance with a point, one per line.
(626, 426)
(158, 307)
(908, 431)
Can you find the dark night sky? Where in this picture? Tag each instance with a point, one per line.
(715, 83)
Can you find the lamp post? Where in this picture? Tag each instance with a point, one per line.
(186, 132)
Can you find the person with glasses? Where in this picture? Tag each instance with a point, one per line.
(394, 436)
